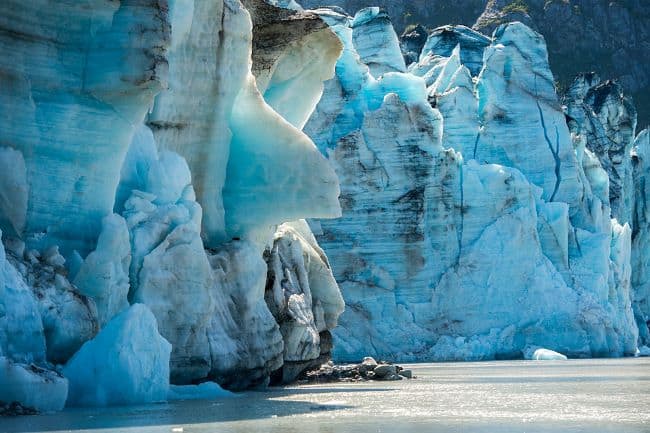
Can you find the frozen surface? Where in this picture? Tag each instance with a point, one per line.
(21, 327)
(104, 274)
(303, 296)
(443, 40)
(69, 318)
(244, 157)
(581, 396)
(604, 120)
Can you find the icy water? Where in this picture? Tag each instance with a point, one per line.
(513, 396)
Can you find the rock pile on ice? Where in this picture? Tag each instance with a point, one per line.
(368, 369)
(479, 218)
(142, 181)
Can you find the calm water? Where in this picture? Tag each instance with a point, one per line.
(518, 396)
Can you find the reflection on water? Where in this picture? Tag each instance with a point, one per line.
(514, 396)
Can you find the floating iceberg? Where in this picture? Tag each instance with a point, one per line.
(203, 391)
(541, 354)
(126, 363)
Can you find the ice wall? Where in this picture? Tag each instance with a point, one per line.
(641, 235)
(474, 223)
(70, 99)
(142, 181)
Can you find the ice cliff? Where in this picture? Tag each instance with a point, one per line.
(150, 200)
(158, 160)
(481, 217)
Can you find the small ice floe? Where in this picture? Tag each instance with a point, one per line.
(643, 351)
(204, 391)
(541, 354)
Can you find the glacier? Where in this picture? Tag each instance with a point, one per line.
(204, 196)
(143, 219)
(481, 216)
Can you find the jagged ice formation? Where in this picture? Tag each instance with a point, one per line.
(142, 179)
(476, 222)
(156, 164)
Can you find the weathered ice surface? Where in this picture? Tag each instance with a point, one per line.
(293, 54)
(641, 235)
(303, 296)
(33, 387)
(69, 318)
(206, 117)
(142, 179)
(376, 42)
(68, 100)
(604, 119)
(104, 275)
(609, 37)
(473, 226)
(443, 40)
(412, 41)
(274, 173)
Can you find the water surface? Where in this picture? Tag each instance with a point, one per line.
(573, 396)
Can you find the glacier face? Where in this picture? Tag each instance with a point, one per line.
(157, 164)
(476, 221)
(144, 184)
(80, 91)
(641, 235)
